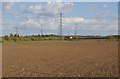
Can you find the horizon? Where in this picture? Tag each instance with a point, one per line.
(58, 35)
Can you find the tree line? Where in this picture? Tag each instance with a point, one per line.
(17, 37)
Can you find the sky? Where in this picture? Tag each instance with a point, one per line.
(90, 18)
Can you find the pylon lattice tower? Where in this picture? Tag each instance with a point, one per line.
(61, 25)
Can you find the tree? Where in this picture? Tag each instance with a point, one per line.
(110, 38)
(11, 35)
(6, 37)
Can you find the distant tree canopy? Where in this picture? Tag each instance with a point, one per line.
(111, 37)
(11, 35)
(17, 38)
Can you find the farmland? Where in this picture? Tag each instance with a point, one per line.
(0, 60)
(85, 58)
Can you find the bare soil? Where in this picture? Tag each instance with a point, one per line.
(0, 60)
(88, 58)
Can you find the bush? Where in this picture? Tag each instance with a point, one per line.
(110, 38)
(19, 39)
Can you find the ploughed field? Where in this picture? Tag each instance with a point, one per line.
(88, 58)
(0, 60)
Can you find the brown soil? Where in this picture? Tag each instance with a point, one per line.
(89, 58)
(0, 60)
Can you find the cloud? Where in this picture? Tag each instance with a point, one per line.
(74, 20)
(102, 27)
(103, 14)
(91, 21)
(79, 20)
(49, 8)
(43, 19)
(89, 24)
(7, 6)
(49, 23)
(98, 7)
(105, 6)
(35, 9)
(45, 22)
(29, 22)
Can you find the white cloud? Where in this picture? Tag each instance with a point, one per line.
(73, 20)
(49, 8)
(93, 24)
(102, 28)
(46, 23)
(53, 23)
(88, 24)
(91, 21)
(36, 9)
(69, 23)
(98, 7)
(7, 6)
(103, 14)
(29, 22)
(105, 6)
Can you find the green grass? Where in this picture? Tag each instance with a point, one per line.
(30, 39)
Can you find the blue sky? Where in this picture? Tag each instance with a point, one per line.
(92, 18)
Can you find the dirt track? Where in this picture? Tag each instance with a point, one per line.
(61, 58)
